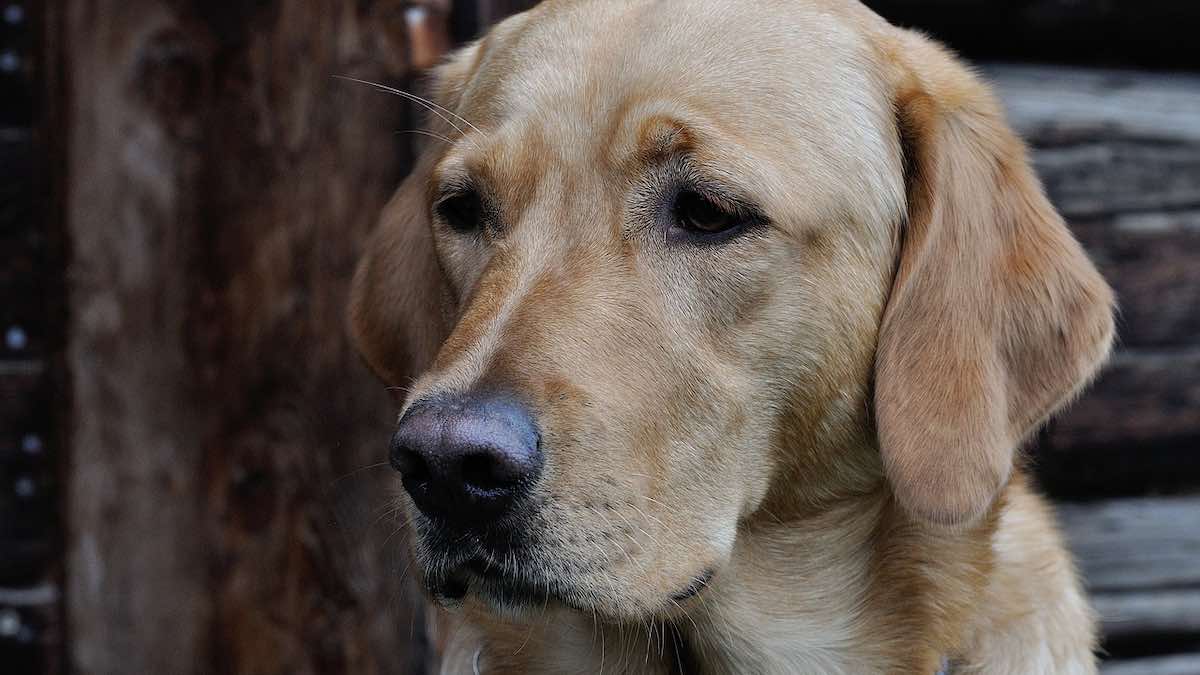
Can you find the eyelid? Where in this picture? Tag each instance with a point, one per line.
(723, 198)
(453, 187)
(690, 175)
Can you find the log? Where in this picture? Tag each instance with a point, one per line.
(1176, 664)
(1135, 544)
(1137, 614)
(1154, 394)
(1140, 560)
(1114, 32)
(228, 510)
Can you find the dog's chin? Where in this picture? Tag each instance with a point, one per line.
(515, 597)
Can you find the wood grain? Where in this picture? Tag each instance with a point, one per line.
(1135, 544)
(1176, 664)
(1148, 613)
(221, 181)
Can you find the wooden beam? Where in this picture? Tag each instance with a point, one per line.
(1142, 398)
(1135, 544)
(1114, 32)
(1135, 614)
(228, 510)
(1176, 664)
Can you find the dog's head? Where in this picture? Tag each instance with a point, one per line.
(678, 264)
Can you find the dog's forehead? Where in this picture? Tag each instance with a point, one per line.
(593, 53)
(779, 81)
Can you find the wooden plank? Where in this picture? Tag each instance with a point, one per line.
(1148, 613)
(1176, 664)
(1136, 430)
(221, 182)
(1135, 544)
(1152, 260)
(135, 450)
(1146, 32)
(1141, 398)
(1061, 104)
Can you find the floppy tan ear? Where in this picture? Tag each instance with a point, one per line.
(996, 316)
(396, 318)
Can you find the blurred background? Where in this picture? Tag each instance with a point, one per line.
(191, 476)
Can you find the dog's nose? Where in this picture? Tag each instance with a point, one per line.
(467, 459)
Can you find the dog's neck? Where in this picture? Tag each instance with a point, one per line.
(854, 588)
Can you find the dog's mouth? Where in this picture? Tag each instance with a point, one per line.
(514, 594)
(515, 573)
(503, 589)
(694, 587)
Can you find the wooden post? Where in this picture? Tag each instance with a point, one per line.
(228, 510)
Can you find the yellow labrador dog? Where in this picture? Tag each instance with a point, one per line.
(721, 324)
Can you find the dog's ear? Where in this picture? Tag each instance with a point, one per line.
(395, 312)
(996, 316)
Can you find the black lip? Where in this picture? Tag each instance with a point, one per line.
(693, 589)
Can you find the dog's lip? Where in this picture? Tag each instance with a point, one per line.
(487, 579)
(697, 584)
(484, 578)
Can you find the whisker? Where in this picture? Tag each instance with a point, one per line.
(368, 467)
(620, 548)
(638, 528)
(647, 516)
(430, 134)
(429, 105)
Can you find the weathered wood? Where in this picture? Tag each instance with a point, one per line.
(1135, 544)
(1114, 32)
(1142, 398)
(1140, 613)
(1152, 259)
(1136, 430)
(221, 181)
(1177, 664)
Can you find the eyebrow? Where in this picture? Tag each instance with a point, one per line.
(660, 136)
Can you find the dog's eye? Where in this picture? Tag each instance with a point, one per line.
(695, 213)
(462, 211)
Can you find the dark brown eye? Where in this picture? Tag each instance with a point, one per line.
(695, 213)
(462, 211)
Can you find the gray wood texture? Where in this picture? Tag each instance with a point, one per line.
(1175, 664)
(1130, 544)
(1140, 559)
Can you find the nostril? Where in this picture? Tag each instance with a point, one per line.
(407, 460)
(480, 472)
(413, 466)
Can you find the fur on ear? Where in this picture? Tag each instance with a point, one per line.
(396, 317)
(996, 316)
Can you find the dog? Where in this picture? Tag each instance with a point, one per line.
(721, 325)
